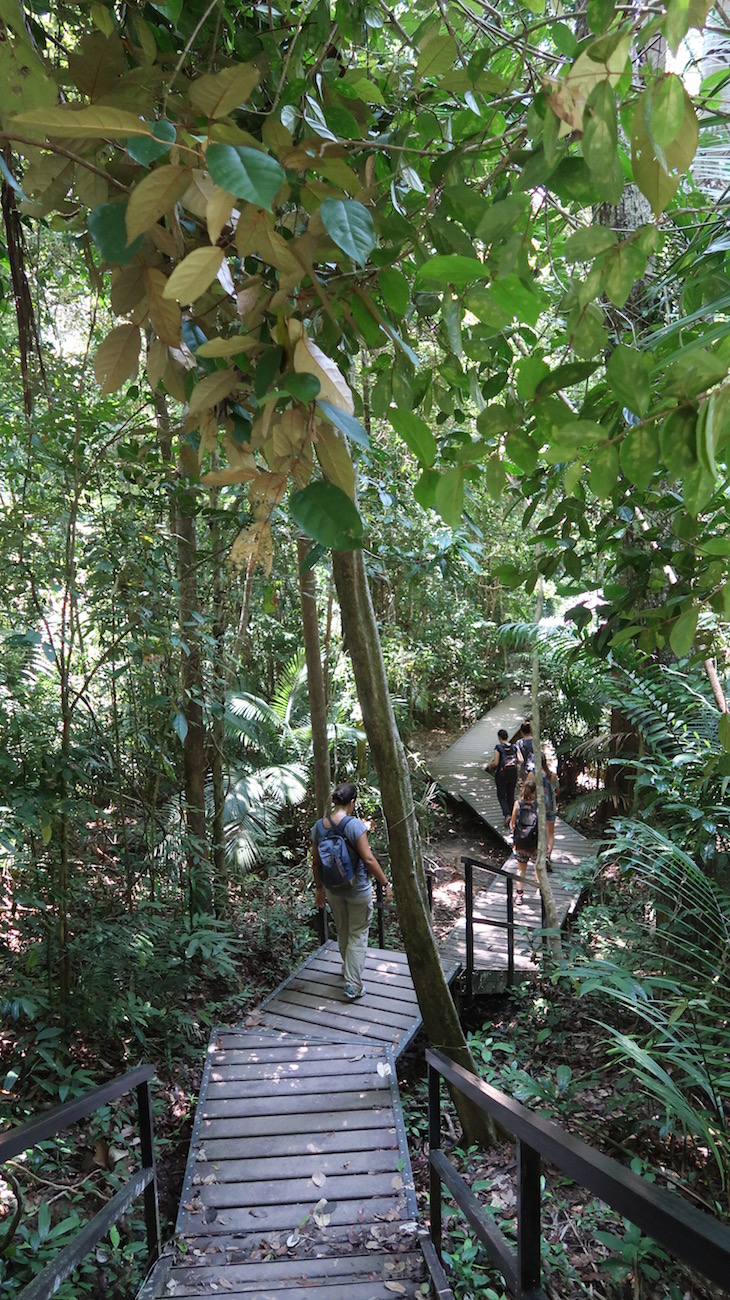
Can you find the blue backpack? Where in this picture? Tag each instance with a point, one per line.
(336, 866)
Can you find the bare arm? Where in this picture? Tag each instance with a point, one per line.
(319, 896)
(372, 865)
(513, 818)
(495, 761)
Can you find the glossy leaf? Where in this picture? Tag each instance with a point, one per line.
(326, 513)
(351, 227)
(415, 433)
(249, 174)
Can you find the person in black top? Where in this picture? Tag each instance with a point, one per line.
(504, 764)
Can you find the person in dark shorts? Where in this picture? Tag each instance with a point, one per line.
(505, 764)
(524, 829)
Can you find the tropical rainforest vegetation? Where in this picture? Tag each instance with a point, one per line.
(414, 319)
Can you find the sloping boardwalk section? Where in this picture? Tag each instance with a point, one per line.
(460, 772)
(299, 1181)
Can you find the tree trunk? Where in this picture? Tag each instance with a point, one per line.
(191, 688)
(551, 912)
(315, 678)
(409, 883)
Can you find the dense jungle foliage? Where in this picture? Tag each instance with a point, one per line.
(444, 286)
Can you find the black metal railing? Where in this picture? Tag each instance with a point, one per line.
(143, 1183)
(695, 1238)
(510, 925)
(379, 907)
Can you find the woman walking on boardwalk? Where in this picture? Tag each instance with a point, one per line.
(351, 904)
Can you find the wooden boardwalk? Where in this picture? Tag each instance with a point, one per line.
(299, 1180)
(460, 772)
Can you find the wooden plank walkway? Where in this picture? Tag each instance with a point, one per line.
(312, 1000)
(299, 1180)
(460, 772)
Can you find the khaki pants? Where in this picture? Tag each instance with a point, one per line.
(352, 918)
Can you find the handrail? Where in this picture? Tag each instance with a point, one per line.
(143, 1183)
(510, 925)
(692, 1236)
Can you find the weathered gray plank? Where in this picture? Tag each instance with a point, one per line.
(280, 1125)
(344, 1269)
(277, 1218)
(285, 1191)
(317, 1145)
(233, 1107)
(235, 1168)
(315, 1055)
(363, 1010)
(351, 1064)
(305, 1086)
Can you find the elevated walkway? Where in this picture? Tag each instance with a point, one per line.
(459, 771)
(299, 1180)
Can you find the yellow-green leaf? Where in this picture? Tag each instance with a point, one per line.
(436, 57)
(334, 458)
(311, 360)
(213, 389)
(154, 196)
(117, 358)
(93, 123)
(682, 635)
(216, 94)
(227, 347)
(194, 274)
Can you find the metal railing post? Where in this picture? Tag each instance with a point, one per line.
(469, 923)
(379, 910)
(434, 1144)
(510, 931)
(528, 1217)
(147, 1151)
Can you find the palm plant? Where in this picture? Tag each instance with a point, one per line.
(666, 965)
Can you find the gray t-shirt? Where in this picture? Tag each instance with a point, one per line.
(361, 885)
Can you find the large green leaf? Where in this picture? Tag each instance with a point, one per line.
(345, 422)
(247, 173)
(415, 433)
(326, 513)
(628, 375)
(351, 227)
(640, 455)
(449, 496)
(450, 269)
(108, 229)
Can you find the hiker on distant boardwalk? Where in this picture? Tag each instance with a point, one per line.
(523, 823)
(526, 750)
(505, 764)
(550, 786)
(351, 903)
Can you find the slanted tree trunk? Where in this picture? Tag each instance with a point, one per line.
(315, 678)
(409, 882)
(551, 912)
(200, 896)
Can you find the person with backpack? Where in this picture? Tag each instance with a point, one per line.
(523, 824)
(526, 750)
(504, 764)
(343, 862)
(550, 786)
